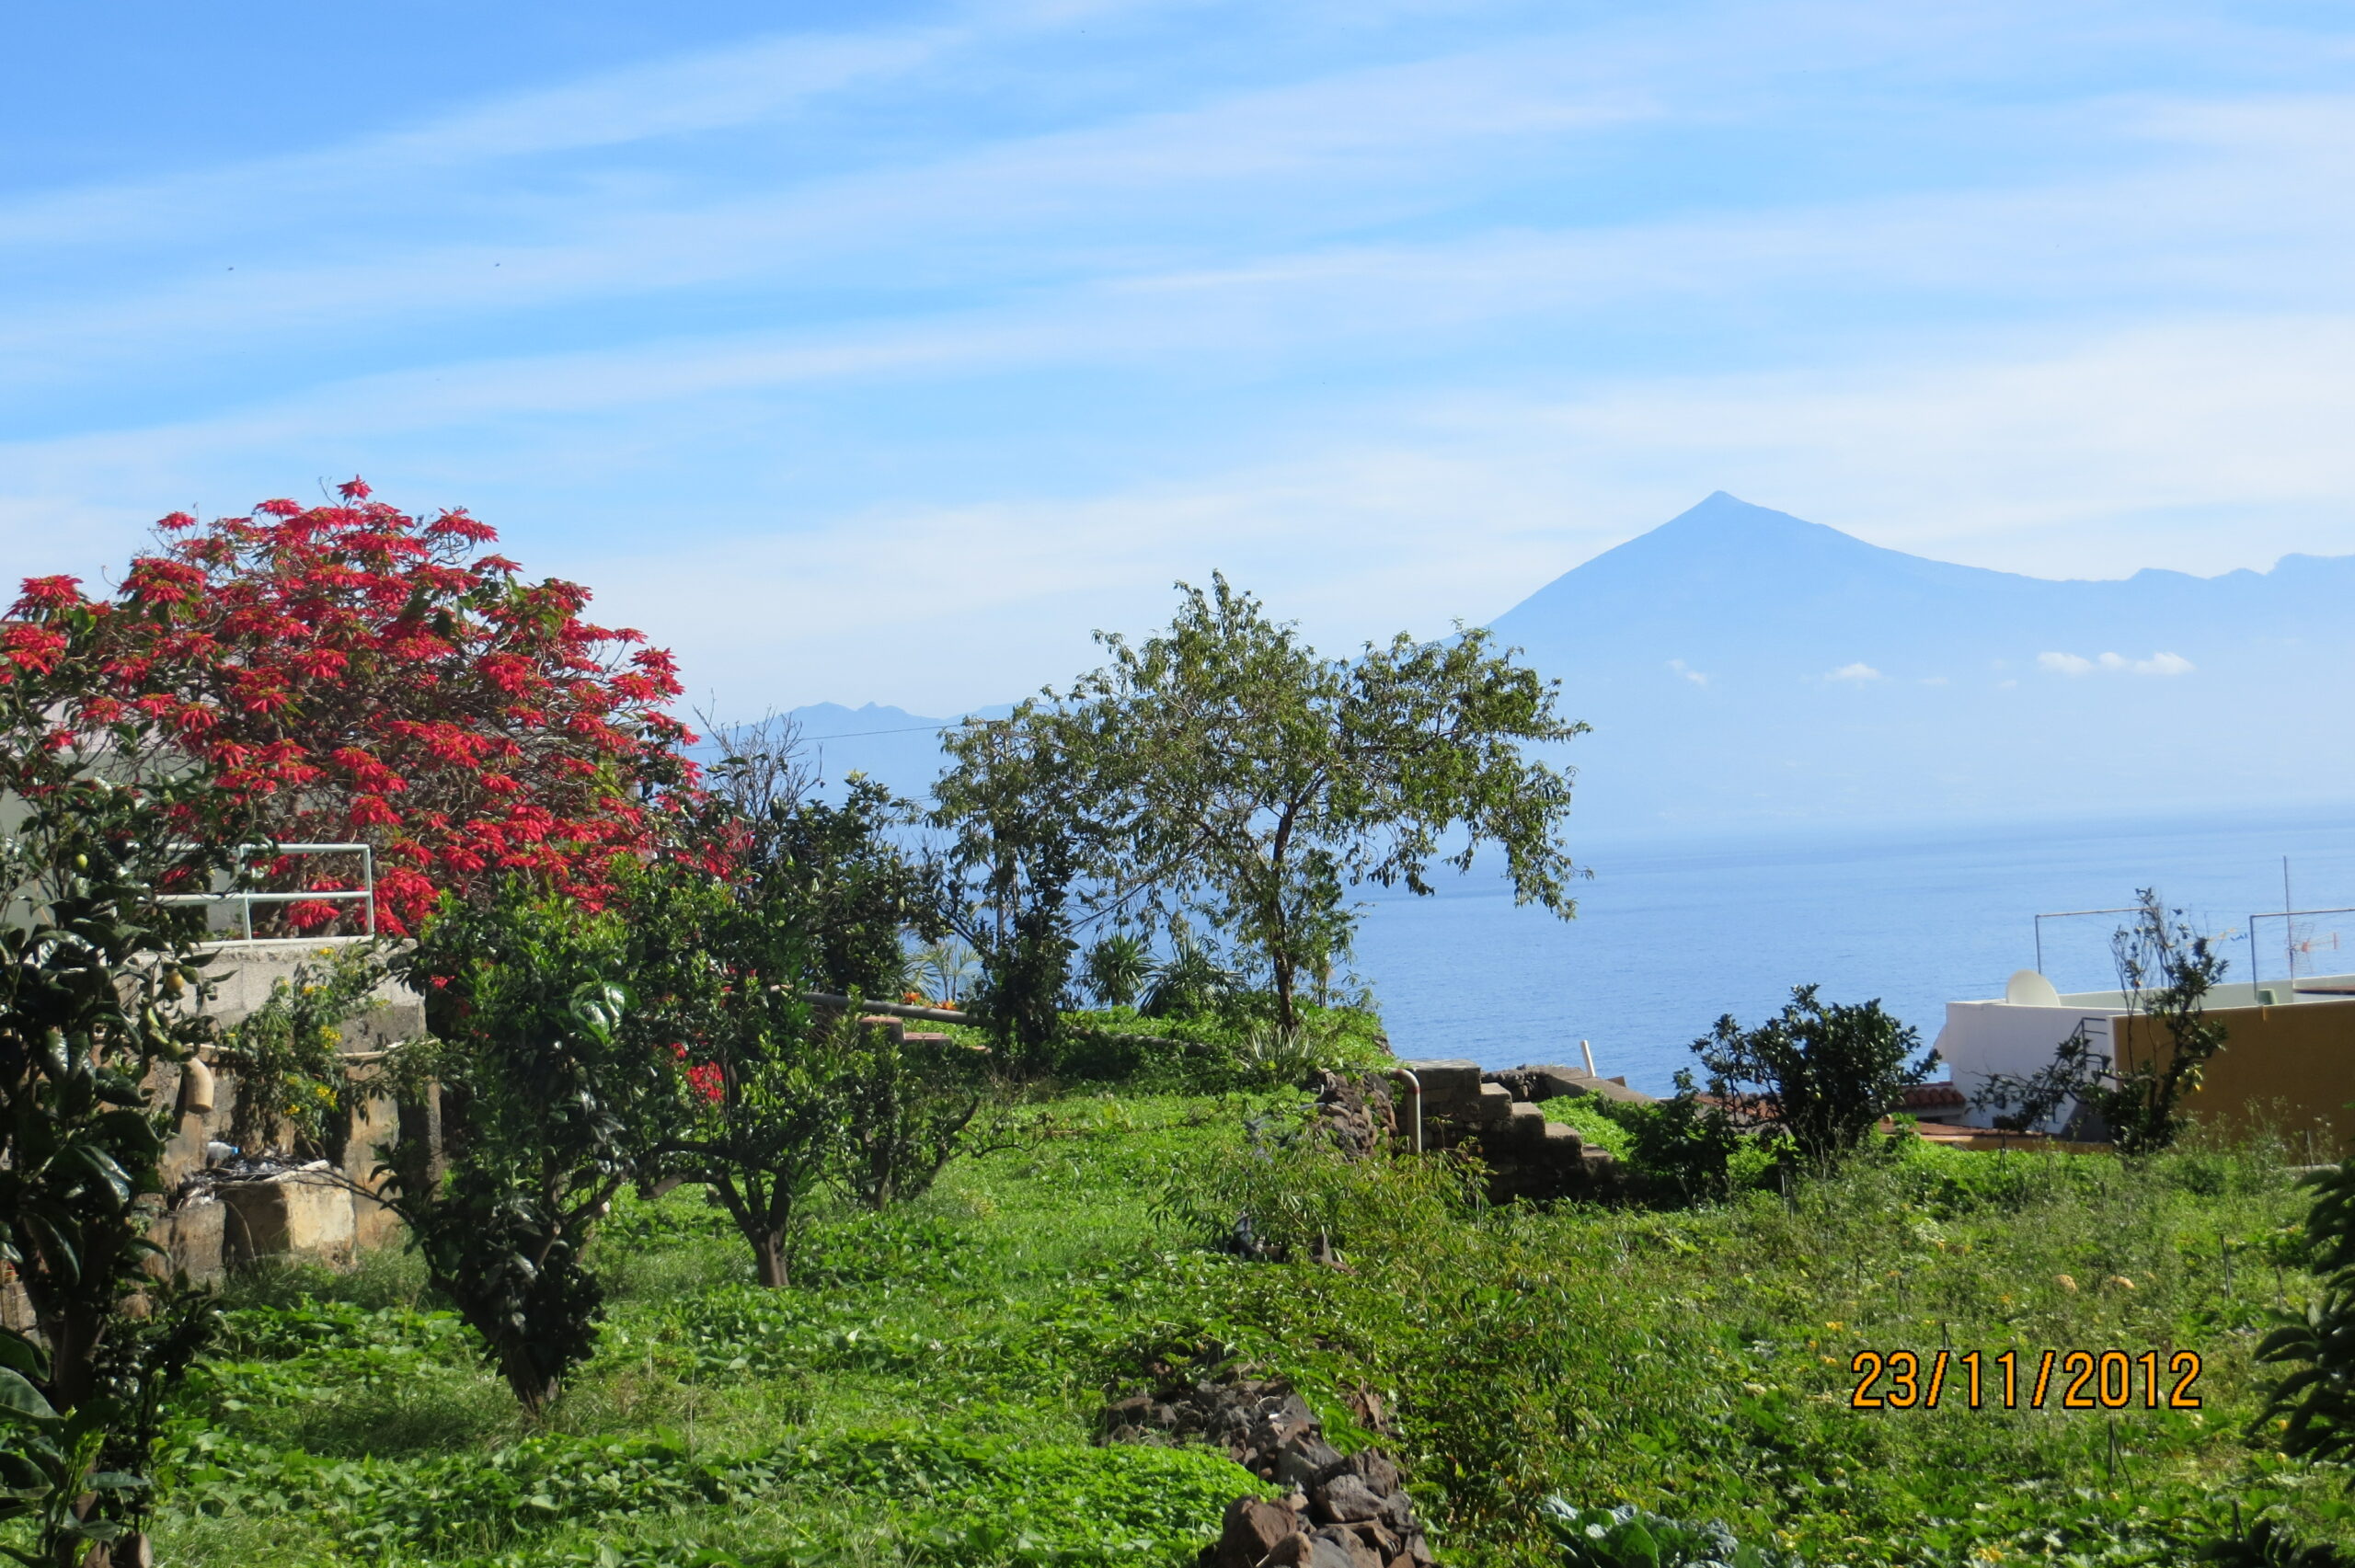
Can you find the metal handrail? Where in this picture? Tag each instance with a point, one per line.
(1415, 1088)
(245, 900)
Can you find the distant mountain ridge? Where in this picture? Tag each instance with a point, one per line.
(1728, 570)
(1740, 665)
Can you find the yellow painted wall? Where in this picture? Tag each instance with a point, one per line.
(2294, 1065)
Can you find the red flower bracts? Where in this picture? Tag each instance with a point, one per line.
(360, 674)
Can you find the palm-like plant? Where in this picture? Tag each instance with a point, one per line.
(1117, 969)
(1190, 981)
(945, 966)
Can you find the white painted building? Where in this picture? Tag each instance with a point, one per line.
(2018, 1034)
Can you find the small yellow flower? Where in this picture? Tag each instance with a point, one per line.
(1835, 1328)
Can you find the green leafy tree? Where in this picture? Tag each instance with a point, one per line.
(1681, 1147)
(1018, 798)
(100, 982)
(1224, 766)
(854, 888)
(758, 1112)
(2166, 970)
(906, 1105)
(547, 1107)
(1816, 1075)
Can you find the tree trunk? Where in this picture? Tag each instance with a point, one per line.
(1287, 1018)
(768, 1259)
(73, 1335)
(535, 1390)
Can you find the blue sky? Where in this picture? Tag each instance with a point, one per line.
(881, 351)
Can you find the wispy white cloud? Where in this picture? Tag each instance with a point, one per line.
(1409, 329)
(743, 83)
(2116, 664)
(1052, 207)
(1857, 673)
(2162, 664)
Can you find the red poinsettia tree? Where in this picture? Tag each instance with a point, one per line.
(363, 675)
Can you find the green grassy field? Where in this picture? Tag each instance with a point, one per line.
(928, 1389)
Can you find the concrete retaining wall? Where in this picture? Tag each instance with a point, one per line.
(210, 1225)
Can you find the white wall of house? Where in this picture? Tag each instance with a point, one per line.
(1982, 1038)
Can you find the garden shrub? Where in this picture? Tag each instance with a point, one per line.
(2315, 1402)
(548, 1108)
(1219, 1051)
(101, 984)
(1818, 1075)
(1286, 1192)
(904, 1106)
(1681, 1149)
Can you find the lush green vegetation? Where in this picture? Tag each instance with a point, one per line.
(880, 1312)
(929, 1389)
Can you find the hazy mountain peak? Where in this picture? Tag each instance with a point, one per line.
(1739, 662)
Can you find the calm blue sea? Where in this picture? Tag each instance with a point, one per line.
(1673, 933)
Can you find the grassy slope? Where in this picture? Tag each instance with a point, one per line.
(929, 1389)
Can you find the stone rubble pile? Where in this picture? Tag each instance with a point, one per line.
(1357, 1113)
(1339, 1511)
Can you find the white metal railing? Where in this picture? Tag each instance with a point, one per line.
(245, 900)
(2065, 915)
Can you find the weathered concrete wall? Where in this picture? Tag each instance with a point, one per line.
(210, 1224)
(244, 973)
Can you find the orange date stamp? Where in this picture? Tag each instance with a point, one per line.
(2085, 1379)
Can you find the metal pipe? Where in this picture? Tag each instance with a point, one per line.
(1587, 1051)
(890, 1008)
(1414, 1089)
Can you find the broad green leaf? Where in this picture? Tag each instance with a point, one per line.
(21, 1397)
